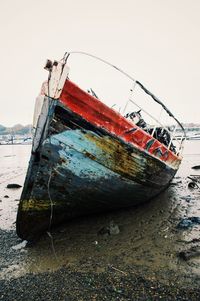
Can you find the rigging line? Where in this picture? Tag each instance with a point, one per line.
(66, 55)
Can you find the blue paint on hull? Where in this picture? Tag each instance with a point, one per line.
(83, 182)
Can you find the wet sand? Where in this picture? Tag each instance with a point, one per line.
(82, 261)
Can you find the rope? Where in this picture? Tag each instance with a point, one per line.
(51, 202)
(50, 219)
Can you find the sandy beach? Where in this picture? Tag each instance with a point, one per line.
(155, 255)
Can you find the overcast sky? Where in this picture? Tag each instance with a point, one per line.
(156, 41)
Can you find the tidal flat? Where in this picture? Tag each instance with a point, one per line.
(150, 256)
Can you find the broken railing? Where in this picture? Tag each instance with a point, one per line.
(174, 129)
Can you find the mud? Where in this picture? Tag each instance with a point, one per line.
(148, 242)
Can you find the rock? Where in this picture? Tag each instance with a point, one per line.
(11, 186)
(113, 228)
(20, 245)
(6, 196)
(196, 167)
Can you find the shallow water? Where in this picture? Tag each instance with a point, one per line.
(149, 240)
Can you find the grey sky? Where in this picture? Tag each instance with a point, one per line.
(156, 41)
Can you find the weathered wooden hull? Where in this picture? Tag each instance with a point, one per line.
(79, 168)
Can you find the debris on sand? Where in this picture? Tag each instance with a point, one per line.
(175, 183)
(188, 222)
(193, 185)
(194, 178)
(194, 240)
(11, 186)
(111, 229)
(189, 254)
(187, 198)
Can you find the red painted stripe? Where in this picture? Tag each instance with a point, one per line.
(97, 113)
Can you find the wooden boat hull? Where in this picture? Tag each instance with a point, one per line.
(80, 168)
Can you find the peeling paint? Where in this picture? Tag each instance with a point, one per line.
(80, 168)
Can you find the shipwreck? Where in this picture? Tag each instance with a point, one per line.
(87, 157)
